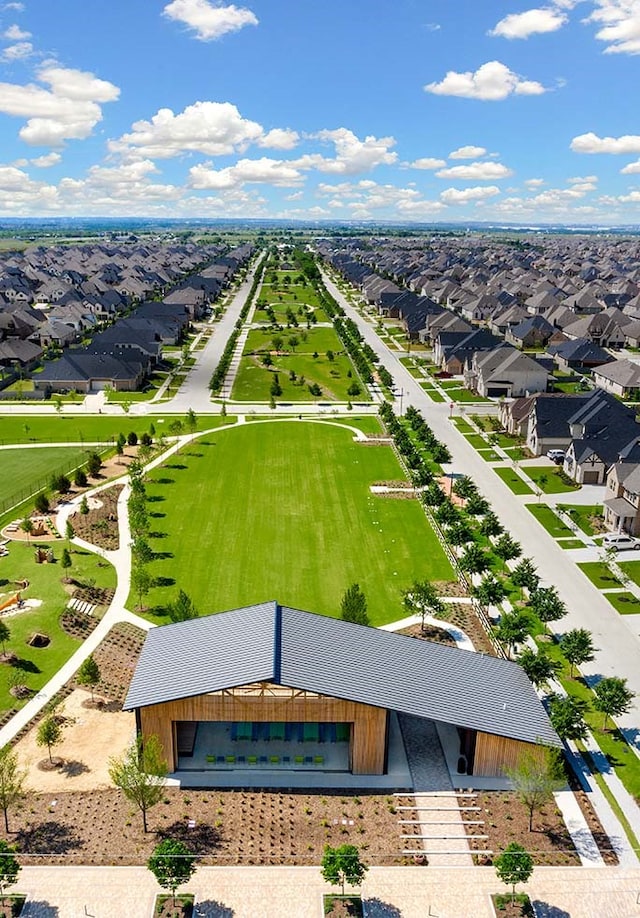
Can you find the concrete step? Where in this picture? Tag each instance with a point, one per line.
(456, 853)
(450, 837)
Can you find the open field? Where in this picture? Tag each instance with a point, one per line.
(83, 428)
(283, 511)
(22, 469)
(253, 381)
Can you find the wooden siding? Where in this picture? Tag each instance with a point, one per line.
(494, 754)
(368, 723)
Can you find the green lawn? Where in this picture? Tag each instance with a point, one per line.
(599, 574)
(433, 394)
(23, 471)
(39, 664)
(547, 518)
(631, 569)
(582, 516)
(476, 441)
(489, 455)
(464, 395)
(624, 602)
(548, 479)
(463, 426)
(319, 340)
(253, 380)
(570, 543)
(79, 428)
(513, 480)
(283, 511)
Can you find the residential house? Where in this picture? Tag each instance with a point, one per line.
(534, 331)
(504, 372)
(578, 354)
(83, 372)
(620, 377)
(600, 429)
(622, 493)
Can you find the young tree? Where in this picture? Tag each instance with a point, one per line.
(94, 464)
(140, 582)
(84, 506)
(5, 634)
(69, 531)
(491, 525)
(353, 605)
(41, 503)
(459, 533)
(9, 868)
(536, 777)
(89, 673)
(577, 646)
(49, 733)
(612, 697)
(475, 560)
(566, 714)
(27, 527)
(80, 478)
(141, 551)
(140, 774)
(513, 628)
(132, 438)
(182, 608)
(547, 605)
(422, 599)
(524, 575)
(507, 548)
(343, 865)
(476, 505)
(489, 592)
(65, 559)
(539, 667)
(172, 864)
(12, 779)
(514, 865)
(191, 421)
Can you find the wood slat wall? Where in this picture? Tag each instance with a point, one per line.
(368, 731)
(496, 753)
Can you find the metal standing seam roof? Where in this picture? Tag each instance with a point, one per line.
(272, 643)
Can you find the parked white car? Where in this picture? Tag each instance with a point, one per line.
(619, 541)
(556, 455)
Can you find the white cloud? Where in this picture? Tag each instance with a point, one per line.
(69, 110)
(583, 180)
(19, 194)
(591, 143)
(46, 161)
(352, 154)
(467, 152)
(631, 168)
(263, 171)
(531, 22)
(211, 128)
(15, 33)
(534, 182)
(632, 198)
(279, 139)
(18, 7)
(18, 52)
(464, 195)
(209, 21)
(427, 162)
(492, 81)
(474, 172)
(294, 196)
(619, 22)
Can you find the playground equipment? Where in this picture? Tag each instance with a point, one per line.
(14, 600)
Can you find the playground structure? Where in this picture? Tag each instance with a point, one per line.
(14, 600)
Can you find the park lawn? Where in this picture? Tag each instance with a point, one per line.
(624, 602)
(296, 523)
(570, 543)
(599, 574)
(315, 339)
(548, 479)
(40, 664)
(77, 428)
(582, 515)
(513, 480)
(253, 381)
(547, 518)
(477, 441)
(24, 471)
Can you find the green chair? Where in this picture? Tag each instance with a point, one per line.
(318, 760)
(252, 759)
(230, 759)
(298, 760)
(211, 758)
(274, 759)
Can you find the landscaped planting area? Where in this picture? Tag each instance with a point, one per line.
(283, 510)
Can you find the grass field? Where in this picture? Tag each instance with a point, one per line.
(39, 664)
(283, 511)
(547, 518)
(513, 480)
(315, 339)
(30, 469)
(81, 428)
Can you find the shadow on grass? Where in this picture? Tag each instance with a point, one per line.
(155, 534)
(163, 582)
(162, 555)
(155, 498)
(164, 481)
(48, 838)
(175, 465)
(27, 666)
(157, 515)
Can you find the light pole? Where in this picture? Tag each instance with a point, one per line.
(401, 394)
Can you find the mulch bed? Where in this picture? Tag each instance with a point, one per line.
(342, 906)
(463, 615)
(429, 633)
(506, 820)
(116, 657)
(231, 827)
(100, 526)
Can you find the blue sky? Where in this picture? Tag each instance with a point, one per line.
(411, 110)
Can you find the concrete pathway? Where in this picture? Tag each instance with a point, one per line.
(296, 892)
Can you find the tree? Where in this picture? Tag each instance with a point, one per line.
(80, 478)
(612, 697)
(464, 487)
(172, 864)
(343, 865)
(524, 575)
(191, 421)
(421, 599)
(514, 865)
(491, 525)
(9, 868)
(69, 531)
(140, 774)
(476, 505)
(60, 483)
(353, 605)
(182, 608)
(5, 634)
(577, 647)
(566, 714)
(489, 592)
(12, 779)
(276, 388)
(27, 527)
(459, 533)
(89, 673)
(475, 560)
(507, 548)
(41, 503)
(538, 774)
(132, 438)
(539, 667)
(513, 628)
(547, 605)
(140, 582)
(84, 506)
(49, 733)
(94, 464)
(65, 559)
(141, 550)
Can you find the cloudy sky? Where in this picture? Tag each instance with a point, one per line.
(416, 110)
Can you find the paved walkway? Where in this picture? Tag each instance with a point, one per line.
(296, 892)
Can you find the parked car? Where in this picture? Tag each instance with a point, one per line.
(556, 455)
(620, 541)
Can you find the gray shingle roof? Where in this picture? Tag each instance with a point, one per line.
(273, 643)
